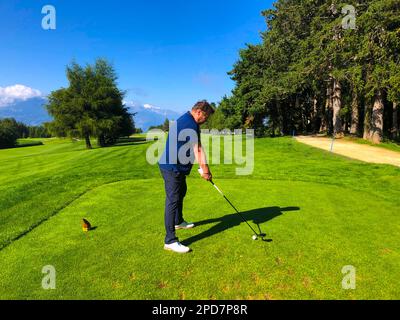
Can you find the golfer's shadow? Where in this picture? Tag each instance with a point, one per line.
(253, 217)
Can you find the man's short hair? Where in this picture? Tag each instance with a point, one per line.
(204, 106)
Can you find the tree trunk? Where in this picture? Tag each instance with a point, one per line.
(337, 105)
(279, 117)
(315, 115)
(101, 141)
(346, 126)
(376, 133)
(88, 144)
(326, 111)
(273, 118)
(367, 121)
(285, 118)
(395, 126)
(292, 116)
(355, 115)
(298, 114)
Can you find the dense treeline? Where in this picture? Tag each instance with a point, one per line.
(92, 105)
(164, 127)
(26, 131)
(11, 130)
(318, 70)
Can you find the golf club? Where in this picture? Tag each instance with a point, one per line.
(256, 235)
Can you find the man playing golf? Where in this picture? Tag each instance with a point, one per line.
(183, 146)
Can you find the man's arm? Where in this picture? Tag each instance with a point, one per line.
(201, 158)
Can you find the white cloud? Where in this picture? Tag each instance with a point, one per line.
(149, 106)
(138, 104)
(10, 94)
(131, 103)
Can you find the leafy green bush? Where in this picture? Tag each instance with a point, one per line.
(8, 133)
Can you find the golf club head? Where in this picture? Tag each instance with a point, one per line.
(262, 236)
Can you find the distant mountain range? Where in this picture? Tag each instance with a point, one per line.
(148, 115)
(32, 112)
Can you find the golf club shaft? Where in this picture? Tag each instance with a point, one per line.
(237, 211)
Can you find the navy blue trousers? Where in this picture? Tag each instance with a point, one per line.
(175, 191)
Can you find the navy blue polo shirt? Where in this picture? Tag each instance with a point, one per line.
(183, 133)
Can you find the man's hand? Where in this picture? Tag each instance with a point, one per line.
(205, 174)
(200, 155)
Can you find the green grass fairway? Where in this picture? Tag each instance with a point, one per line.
(320, 212)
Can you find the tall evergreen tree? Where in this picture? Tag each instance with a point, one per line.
(321, 69)
(91, 105)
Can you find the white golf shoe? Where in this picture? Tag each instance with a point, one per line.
(177, 247)
(184, 225)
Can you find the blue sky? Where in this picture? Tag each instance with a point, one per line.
(166, 53)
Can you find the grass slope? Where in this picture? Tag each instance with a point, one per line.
(320, 211)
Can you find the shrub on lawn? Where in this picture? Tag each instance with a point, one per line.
(8, 133)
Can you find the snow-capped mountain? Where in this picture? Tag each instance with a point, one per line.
(23, 103)
(27, 105)
(30, 111)
(148, 115)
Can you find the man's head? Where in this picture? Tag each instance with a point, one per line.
(201, 111)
